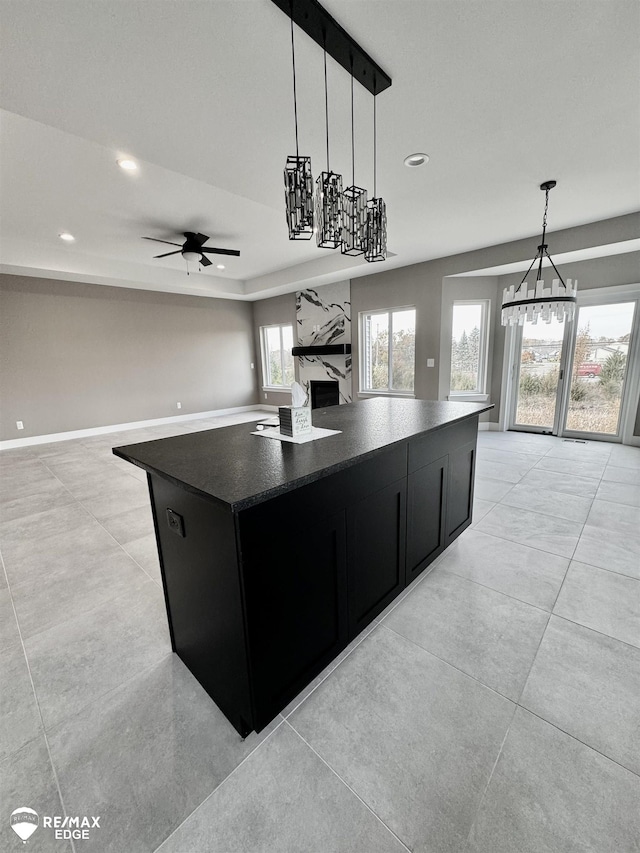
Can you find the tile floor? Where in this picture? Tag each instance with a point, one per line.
(494, 708)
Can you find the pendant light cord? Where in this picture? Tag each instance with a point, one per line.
(295, 100)
(374, 141)
(353, 148)
(326, 98)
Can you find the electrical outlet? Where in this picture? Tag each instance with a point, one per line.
(251, 365)
(175, 522)
(19, 425)
(431, 362)
(265, 396)
(178, 405)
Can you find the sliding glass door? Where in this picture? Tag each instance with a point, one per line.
(599, 369)
(571, 378)
(537, 383)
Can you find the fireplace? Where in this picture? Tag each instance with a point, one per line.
(324, 394)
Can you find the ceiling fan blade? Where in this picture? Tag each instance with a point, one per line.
(205, 262)
(166, 255)
(168, 242)
(222, 251)
(201, 238)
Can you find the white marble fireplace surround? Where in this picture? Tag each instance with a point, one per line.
(324, 317)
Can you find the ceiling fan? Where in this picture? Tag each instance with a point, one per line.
(193, 248)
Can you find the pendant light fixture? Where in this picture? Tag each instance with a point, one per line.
(298, 181)
(376, 249)
(328, 189)
(559, 300)
(354, 204)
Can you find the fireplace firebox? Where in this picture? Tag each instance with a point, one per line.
(324, 393)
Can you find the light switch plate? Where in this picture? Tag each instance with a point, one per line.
(431, 362)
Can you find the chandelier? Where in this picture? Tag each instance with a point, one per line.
(337, 217)
(539, 302)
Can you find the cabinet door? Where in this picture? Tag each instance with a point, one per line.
(426, 512)
(294, 573)
(460, 490)
(376, 553)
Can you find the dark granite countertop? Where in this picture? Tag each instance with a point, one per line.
(238, 469)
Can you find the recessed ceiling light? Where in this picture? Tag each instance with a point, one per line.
(128, 165)
(219, 266)
(416, 160)
(69, 238)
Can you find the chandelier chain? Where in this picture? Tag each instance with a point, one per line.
(326, 100)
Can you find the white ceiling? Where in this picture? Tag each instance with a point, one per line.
(502, 94)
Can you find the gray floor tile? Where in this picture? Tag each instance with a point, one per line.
(129, 494)
(484, 633)
(499, 471)
(615, 517)
(30, 559)
(555, 535)
(480, 509)
(26, 779)
(147, 754)
(65, 520)
(618, 553)
(624, 456)
(145, 552)
(19, 718)
(602, 600)
(490, 490)
(310, 810)
(415, 738)
(508, 457)
(131, 524)
(552, 794)
(589, 686)
(620, 493)
(576, 467)
(80, 660)
(576, 450)
(526, 573)
(565, 483)
(612, 474)
(61, 596)
(9, 634)
(547, 502)
(49, 494)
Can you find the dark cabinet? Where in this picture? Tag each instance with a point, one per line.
(426, 512)
(460, 490)
(376, 553)
(294, 575)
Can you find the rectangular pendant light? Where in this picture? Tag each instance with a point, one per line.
(329, 210)
(298, 197)
(376, 231)
(354, 221)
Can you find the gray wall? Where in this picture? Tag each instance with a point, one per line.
(268, 312)
(75, 356)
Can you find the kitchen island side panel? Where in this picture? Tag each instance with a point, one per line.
(202, 581)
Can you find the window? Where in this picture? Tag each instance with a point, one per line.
(387, 351)
(469, 344)
(277, 361)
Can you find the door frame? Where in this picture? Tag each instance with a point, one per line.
(631, 391)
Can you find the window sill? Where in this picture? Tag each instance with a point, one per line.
(281, 389)
(467, 397)
(386, 394)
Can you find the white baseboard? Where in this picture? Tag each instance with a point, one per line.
(488, 426)
(12, 443)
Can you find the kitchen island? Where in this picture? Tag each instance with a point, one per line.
(275, 555)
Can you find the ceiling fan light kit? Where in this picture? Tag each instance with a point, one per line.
(342, 218)
(520, 305)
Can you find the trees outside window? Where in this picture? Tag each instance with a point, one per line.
(469, 346)
(387, 351)
(277, 361)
